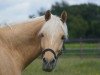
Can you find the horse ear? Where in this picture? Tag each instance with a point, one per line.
(47, 15)
(64, 16)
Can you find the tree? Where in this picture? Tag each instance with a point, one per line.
(77, 27)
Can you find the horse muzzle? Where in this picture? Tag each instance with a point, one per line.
(48, 66)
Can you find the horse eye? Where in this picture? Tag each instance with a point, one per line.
(63, 37)
(42, 35)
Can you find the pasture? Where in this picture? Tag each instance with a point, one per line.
(67, 66)
(82, 49)
(83, 45)
(70, 63)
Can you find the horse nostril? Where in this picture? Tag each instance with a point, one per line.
(44, 60)
(53, 60)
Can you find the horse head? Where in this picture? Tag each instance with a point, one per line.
(52, 35)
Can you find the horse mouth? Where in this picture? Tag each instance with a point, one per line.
(47, 70)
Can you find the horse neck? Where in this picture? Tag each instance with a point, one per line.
(23, 42)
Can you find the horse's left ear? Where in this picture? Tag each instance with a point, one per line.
(47, 15)
(64, 16)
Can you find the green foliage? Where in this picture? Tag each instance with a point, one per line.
(77, 27)
(95, 26)
(83, 20)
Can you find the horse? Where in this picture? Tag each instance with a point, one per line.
(22, 43)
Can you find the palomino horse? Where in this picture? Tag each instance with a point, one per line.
(20, 44)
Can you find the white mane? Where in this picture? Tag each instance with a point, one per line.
(55, 24)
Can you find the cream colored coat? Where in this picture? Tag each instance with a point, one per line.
(19, 45)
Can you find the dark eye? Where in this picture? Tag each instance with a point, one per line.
(42, 35)
(63, 37)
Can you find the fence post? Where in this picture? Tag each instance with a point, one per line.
(97, 49)
(81, 49)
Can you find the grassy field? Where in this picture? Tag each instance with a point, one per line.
(83, 49)
(67, 66)
(83, 45)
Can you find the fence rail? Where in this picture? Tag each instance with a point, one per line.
(97, 40)
(82, 47)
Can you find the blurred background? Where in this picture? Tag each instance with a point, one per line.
(81, 52)
(83, 15)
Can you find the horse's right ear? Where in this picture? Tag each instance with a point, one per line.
(47, 15)
(64, 16)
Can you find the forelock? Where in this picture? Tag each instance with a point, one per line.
(53, 24)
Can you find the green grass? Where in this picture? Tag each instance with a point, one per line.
(85, 49)
(67, 66)
(83, 45)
